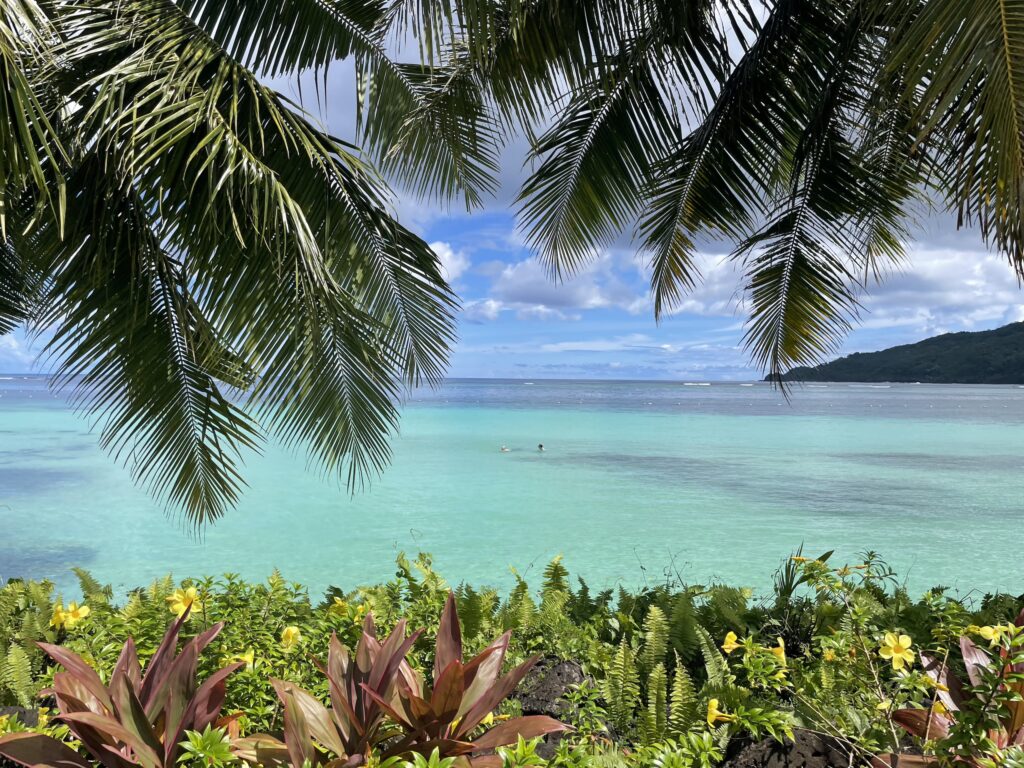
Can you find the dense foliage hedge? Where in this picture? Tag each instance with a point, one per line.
(672, 671)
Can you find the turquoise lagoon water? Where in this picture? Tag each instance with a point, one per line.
(639, 480)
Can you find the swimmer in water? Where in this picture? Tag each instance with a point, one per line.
(540, 447)
(504, 449)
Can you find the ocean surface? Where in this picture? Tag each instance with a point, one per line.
(640, 481)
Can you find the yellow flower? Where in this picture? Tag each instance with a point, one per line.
(798, 559)
(182, 600)
(290, 637)
(780, 651)
(730, 643)
(70, 616)
(75, 613)
(715, 715)
(939, 708)
(994, 634)
(492, 718)
(339, 606)
(897, 649)
(249, 657)
(828, 655)
(58, 618)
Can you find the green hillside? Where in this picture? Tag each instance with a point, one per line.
(982, 357)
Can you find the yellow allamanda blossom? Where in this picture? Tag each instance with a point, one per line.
(731, 643)
(715, 715)
(290, 637)
(798, 559)
(994, 633)
(896, 648)
(490, 718)
(828, 655)
(249, 658)
(779, 651)
(70, 616)
(939, 708)
(182, 600)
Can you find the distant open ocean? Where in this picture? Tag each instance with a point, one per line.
(639, 479)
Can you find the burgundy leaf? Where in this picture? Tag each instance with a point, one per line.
(493, 696)
(80, 670)
(316, 716)
(144, 754)
(128, 665)
(448, 691)
(939, 671)
(975, 660)
(205, 707)
(509, 732)
(297, 737)
(156, 669)
(448, 647)
(922, 723)
(31, 749)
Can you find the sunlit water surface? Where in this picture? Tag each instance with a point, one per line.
(638, 480)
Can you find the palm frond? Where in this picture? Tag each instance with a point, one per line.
(276, 267)
(964, 74)
(425, 121)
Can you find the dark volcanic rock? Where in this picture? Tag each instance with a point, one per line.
(808, 750)
(29, 717)
(543, 691)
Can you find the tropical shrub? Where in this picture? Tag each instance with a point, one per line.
(353, 725)
(449, 714)
(977, 721)
(139, 718)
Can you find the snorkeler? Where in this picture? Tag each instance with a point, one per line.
(504, 449)
(540, 447)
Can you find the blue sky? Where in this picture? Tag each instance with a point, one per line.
(516, 323)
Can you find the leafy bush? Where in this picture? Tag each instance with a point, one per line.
(140, 718)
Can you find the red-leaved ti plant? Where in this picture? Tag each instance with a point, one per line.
(449, 715)
(355, 721)
(139, 719)
(930, 724)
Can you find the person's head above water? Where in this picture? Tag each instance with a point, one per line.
(540, 446)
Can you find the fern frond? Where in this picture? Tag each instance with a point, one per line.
(683, 711)
(622, 687)
(657, 702)
(655, 632)
(714, 662)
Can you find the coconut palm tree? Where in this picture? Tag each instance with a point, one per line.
(207, 266)
(806, 134)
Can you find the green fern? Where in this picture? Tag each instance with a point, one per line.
(556, 577)
(92, 590)
(471, 610)
(657, 704)
(714, 662)
(682, 712)
(682, 621)
(655, 633)
(622, 687)
(17, 676)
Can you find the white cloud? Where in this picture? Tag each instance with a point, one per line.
(526, 288)
(479, 310)
(15, 356)
(941, 290)
(453, 263)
